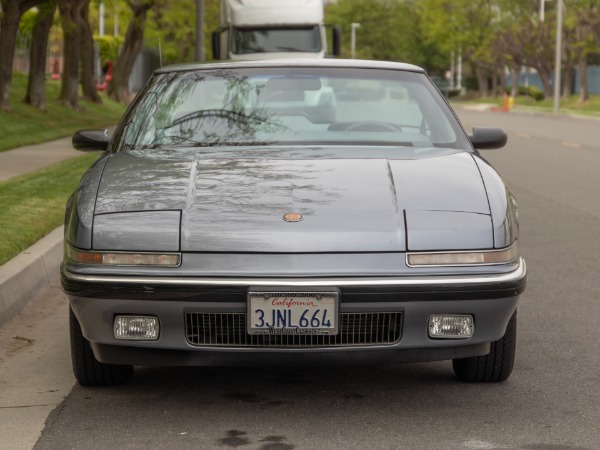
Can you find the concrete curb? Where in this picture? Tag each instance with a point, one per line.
(24, 275)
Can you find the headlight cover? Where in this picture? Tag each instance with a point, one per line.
(464, 258)
(124, 258)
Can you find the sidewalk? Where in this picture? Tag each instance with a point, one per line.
(34, 157)
(37, 266)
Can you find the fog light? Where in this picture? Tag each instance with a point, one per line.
(139, 328)
(451, 326)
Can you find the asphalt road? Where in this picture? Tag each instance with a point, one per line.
(551, 401)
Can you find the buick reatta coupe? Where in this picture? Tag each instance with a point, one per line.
(291, 212)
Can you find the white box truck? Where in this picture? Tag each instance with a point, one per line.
(261, 29)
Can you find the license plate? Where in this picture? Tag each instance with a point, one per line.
(302, 313)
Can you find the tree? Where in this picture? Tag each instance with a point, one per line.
(134, 37)
(174, 23)
(538, 40)
(511, 52)
(390, 30)
(587, 37)
(36, 83)
(9, 26)
(467, 26)
(86, 78)
(70, 15)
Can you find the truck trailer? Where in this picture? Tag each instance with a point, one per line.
(265, 29)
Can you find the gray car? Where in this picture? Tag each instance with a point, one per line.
(291, 212)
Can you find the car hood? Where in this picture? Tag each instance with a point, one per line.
(237, 205)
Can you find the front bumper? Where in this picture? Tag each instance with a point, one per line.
(96, 299)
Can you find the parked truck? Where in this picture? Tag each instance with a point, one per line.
(260, 29)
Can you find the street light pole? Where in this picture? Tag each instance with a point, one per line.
(100, 33)
(542, 10)
(200, 31)
(354, 26)
(558, 60)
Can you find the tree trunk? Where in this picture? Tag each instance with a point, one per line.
(568, 82)
(545, 78)
(36, 83)
(70, 13)
(9, 26)
(118, 89)
(483, 83)
(88, 85)
(584, 94)
(502, 75)
(495, 82)
(516, 74)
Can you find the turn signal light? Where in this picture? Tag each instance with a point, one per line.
(124, 258)
(470, 258)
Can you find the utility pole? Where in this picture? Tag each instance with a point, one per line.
(97, 46)
(354, 26)
(200, 57)
(452, 69)
(558, 60)
(542, 10)
(459, 70)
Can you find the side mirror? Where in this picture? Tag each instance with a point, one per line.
(91, 140)
(488, 138)
(336, 40)
(216, 44)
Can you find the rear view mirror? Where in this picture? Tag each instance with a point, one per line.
(91, 140)
(488, 138)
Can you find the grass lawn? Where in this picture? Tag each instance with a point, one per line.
(572, 105)
(25, 125)
(32, 205)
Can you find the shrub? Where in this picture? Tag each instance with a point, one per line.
(532, 91)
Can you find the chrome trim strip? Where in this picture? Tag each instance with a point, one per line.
(442, 280)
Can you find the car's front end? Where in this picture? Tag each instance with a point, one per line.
(314, 238)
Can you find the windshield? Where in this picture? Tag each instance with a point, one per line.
(290, 106)
(267, 40)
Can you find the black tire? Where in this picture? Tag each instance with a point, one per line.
(494, 367)
(87, 369)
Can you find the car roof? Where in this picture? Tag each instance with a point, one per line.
(329, 63)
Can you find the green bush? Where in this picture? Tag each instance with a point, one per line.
(532, 91)
(109, 47)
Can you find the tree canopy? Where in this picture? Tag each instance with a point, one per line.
(490, 36)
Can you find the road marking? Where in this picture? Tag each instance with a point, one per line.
(571, 144)
(525, 135)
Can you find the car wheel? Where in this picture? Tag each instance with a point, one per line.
(495, 366)
(87, 369)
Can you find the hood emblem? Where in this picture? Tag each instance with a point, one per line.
(293, 217)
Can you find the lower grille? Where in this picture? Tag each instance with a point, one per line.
(355, 329)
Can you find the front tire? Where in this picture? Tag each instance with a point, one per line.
(497, 365)
(87, 369)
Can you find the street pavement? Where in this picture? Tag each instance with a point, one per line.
(550, 402)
